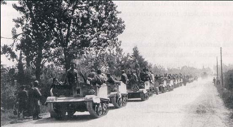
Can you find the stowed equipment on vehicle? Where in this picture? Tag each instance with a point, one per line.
(81, 96)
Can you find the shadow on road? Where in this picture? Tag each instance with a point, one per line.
(135, 101)
(75, 118)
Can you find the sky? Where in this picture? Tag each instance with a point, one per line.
(167, 33)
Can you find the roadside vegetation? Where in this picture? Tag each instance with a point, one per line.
(226, 91)
(86, 31)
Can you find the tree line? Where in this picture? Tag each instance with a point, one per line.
(51, 34)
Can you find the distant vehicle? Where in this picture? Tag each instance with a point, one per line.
(162, 85)
(139, 90)
(118, 95)
(204, 75)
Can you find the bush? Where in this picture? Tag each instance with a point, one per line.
(226, 92)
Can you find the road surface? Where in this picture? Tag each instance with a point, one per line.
(194, 105)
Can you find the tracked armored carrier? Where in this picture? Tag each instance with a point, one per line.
(162, 85)
(68, 100)
(118, 95)
(139, 90)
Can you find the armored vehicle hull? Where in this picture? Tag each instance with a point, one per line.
(140, 91)
(118, 95)
(96, 105)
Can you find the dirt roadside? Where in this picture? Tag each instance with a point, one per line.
(194, 105)
(207, 110)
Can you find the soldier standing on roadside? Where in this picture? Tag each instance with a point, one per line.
(30, 100)
(36, 101)
(22, 101)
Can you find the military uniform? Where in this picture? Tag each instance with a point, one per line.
(36, 102)
(72, 77)
(124, 78)
(22, 102)
(30, 101)
(92, 78)
(111, 84)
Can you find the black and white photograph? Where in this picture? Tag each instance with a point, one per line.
(116, 63)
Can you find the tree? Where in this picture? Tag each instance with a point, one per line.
(36, 24)
(84, 27)
(8, 86)
(3, 2)
(139, 60)
(20, 76)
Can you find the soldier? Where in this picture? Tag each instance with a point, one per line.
(145, 75)
(36, 101)
(185, 80)
(124, 77)
(101, 78)
(53, 87)
(214, 80)
(157, 83)
(92, 77)
(72, 77)
(152, 79)
(30, 100)
(133, 80)
(22, 101)
(111, 79)
(111, 83)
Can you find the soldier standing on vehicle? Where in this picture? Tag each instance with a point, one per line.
(145, 75)
(22, 102)
(157, 83)
(124, 77)
(92, 77)
(53, 87)
(111, 83)
(36, 101)
(152, 79)
(72, 77)
(133, 81)
(101, 78)
(110, 79)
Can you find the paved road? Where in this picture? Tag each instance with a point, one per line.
(194, 105)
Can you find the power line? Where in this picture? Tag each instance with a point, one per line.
(6, 38)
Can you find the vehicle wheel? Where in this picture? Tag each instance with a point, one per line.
(60, 115)
(117, 102)
(60, 112)
(125, 100)
(70, 113)
(147, 95)
(142, 95)
(94, 109)
(156, 91)
(52, 114)
(104, 108)
(120, 102)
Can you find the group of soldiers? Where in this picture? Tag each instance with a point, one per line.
(28, 101)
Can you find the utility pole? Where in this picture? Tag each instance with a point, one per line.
(221, 66)
(217, 68)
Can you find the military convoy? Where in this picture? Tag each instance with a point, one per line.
(67, 99)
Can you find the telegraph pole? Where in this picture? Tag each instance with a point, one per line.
(221, 66)
(217, 67)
